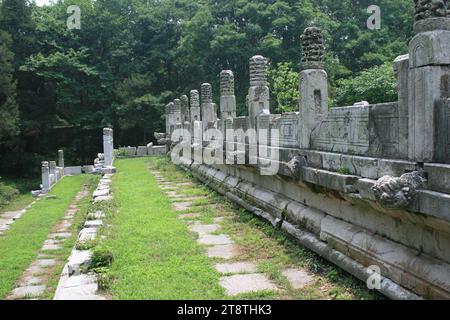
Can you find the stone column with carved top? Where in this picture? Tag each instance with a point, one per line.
(227, 97)
(45, 171)
(258, 98)
(195, 106)
(108, 146)
(209, 108)
(429, 78)
(313, 85)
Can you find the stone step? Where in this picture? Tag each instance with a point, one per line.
(204, 229)
(247, 283)
(214, 240)
(298, 278)
(238, 267)
(28, 292)
(226, 252)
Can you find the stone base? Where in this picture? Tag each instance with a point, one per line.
(108, 170)
(351, 235)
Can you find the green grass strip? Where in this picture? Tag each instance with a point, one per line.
(20, 245)
(155, 256)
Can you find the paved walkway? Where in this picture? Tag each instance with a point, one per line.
(238, 277)
(8, 218)
(34, 281)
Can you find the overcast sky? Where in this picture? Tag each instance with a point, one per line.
(42, 2)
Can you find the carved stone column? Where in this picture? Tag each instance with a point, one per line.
(313, 85)
(108, 147)
(195, 106)
(61, 158)
(177, 112)
(45, 171)
(258, 98)
(171, 118)
(429, 83)
(227, 97)
(185, 109)
(209, 108)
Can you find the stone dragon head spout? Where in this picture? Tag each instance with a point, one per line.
(397, 192)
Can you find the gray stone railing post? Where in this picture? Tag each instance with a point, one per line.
(185, 115)
(61, 158)
(258, 98)
(227, 97)
(195, 106)
(313, 85)
(171, 118)
(208, 107)
(108, 146)
(401, 69)
(45, 171)
(52, 171)
(177, 113)
(429, 63)
(167, 114)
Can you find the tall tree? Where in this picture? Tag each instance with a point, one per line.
(9, 113)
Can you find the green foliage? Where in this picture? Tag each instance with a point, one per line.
(133, 56)
(102, 257)
(375, 85)
(19, 245)
(9, 112)
(7, 194)
(284, 87)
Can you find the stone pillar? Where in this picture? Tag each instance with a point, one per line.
(186, 117)
(61, 158)
(177, 112)
(258, 95)
(227, 97)
(209, 108)
(172, 123)
(167, 114)
(313, 85)
(45, 176)
(401, 70)
(195, 106)
(429, 63)
(108, 147)
(52, 171)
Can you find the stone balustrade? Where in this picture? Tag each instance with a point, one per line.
(363, 185)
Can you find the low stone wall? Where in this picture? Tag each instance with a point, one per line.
(142, 151)
(410, 249)
(362, 185)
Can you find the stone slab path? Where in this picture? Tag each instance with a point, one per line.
(34, 281)
(75, 283)
(8, 218)
(238, 277)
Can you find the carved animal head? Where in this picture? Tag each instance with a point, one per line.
(397, 192)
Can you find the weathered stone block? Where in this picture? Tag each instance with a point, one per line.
(438, 176)
(427, 276)
(313, 103)
(330, 180)
(72, 171)
(142, 151)
(427, 86)
(87, 169)
(433, 203)
(443, 130)
(344, 130)
(430, 48)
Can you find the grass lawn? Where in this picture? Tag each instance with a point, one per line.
(24, 198)
(272, 249)
(155, 256)
(20, 244)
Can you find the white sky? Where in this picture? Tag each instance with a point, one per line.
(42, 2)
